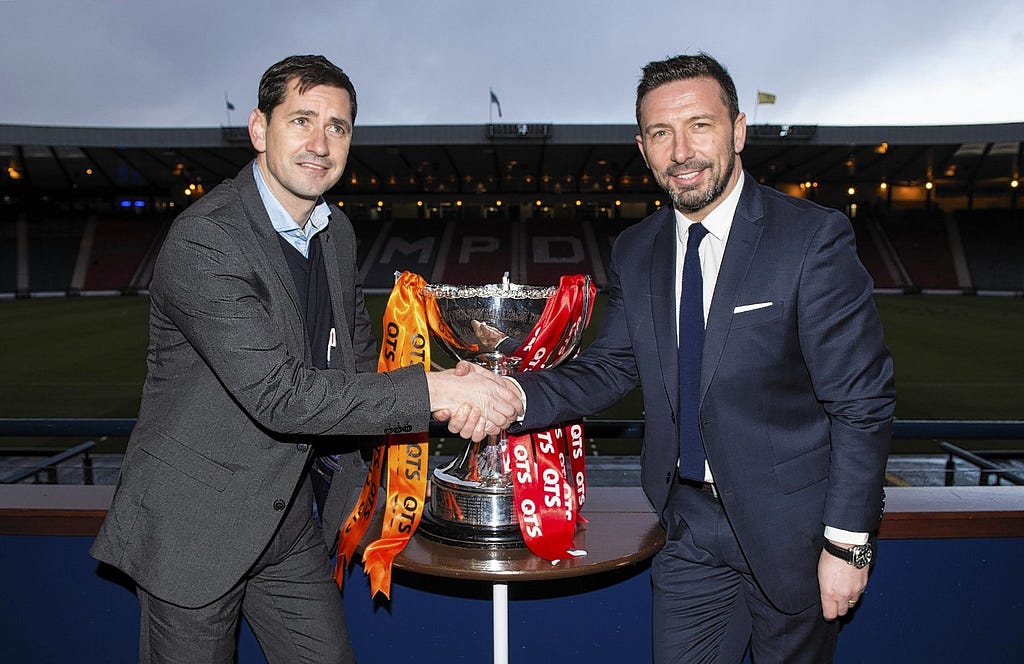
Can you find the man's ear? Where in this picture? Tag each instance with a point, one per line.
(643, 150)
(258, 130)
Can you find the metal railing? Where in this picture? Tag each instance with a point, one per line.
(990, 472)
(987, 462)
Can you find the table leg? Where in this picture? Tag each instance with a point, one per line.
(500, 609)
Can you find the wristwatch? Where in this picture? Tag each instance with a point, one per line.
(859, 556)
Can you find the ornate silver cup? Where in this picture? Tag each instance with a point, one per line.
(471, 501)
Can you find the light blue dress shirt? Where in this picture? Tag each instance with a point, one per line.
(283, 222)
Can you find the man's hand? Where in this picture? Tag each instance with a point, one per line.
(475, 402)
(841, 584)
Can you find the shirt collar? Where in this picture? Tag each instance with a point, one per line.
(279, 217)
(719, 221)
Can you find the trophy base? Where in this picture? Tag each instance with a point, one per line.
(469, 535)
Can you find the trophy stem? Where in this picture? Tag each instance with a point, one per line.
(471, 498)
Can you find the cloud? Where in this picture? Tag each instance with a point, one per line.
(170, 64)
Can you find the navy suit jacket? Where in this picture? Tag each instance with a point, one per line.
(231, 400)
(797, 396)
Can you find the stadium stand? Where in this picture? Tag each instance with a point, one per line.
(116, 253)
(79, 255)
(53, 246)
(922, 242)
(8, 254)
(875, 254)
(466, 203)
(994, 245)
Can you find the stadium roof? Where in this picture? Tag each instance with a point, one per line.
(504, 160)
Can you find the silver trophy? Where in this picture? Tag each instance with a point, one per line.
(471, 501)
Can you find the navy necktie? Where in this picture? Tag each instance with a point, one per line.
(691, 347)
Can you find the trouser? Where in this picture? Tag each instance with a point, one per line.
(707, 606)
(289, 598)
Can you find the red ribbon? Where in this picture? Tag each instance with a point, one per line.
(548, 467)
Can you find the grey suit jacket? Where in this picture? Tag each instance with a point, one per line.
(797, 396)
(230, 400)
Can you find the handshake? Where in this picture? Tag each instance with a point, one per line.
(474, 401)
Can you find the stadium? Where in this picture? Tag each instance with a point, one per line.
(935, 210)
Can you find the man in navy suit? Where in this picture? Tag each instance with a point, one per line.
(792, 396)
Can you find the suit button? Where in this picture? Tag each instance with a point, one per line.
(279, 504)
(302, 447)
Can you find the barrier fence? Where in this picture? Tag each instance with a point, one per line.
(994, 466)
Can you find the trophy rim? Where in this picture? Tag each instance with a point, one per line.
(514, 291)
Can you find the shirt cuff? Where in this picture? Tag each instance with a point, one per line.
(522, 395)
(845, 536)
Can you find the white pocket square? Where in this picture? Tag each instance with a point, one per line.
(751, 307)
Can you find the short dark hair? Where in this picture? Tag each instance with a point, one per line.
(310, 71)
(683, 68)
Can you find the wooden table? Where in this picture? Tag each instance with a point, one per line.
(622, 531)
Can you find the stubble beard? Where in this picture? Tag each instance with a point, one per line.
(695, 200)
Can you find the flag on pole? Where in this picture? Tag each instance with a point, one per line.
(230, 106)
(765, 97)
(494, 100)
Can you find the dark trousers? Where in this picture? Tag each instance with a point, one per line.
(707, 606)
(289, 599)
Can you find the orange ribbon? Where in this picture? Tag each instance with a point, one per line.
(406, 342)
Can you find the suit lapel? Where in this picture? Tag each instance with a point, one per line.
(744, 236)
(267, 239)
(663, 303)
(266, 236)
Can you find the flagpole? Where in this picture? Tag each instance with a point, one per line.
(227, 107)
(757, 104)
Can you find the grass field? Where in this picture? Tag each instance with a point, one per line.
(956, 357)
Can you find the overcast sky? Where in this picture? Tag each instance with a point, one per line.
(140, 63)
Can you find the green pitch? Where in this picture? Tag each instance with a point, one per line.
(956, 357)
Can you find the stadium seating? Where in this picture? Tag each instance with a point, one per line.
(922, 243)
(908, 250)
(994, 245)
(118, 249)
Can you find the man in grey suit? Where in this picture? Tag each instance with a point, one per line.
(259, 343)
(768, 390)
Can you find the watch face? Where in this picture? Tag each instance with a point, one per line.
(861, 555)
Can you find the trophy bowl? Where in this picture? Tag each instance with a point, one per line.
(471, 498)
